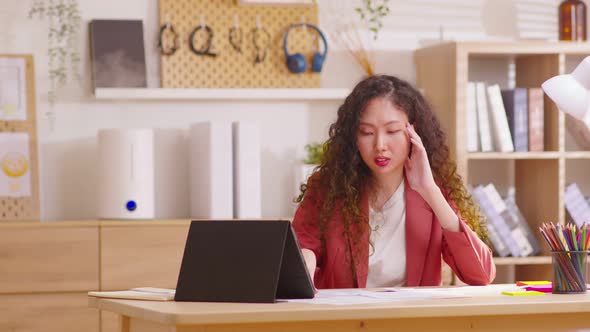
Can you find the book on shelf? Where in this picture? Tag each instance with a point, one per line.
(498, 244)
(211, 170)
(506, 223)
(507, 227)
(536, 119)
(472, 121)
(523, 224)
(500, 130)
(246, 170)
(576, 205)
(516, 106)
(483, 118)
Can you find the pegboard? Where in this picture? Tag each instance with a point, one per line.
(230, 69)
(25, 208)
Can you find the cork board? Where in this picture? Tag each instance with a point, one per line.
(230, 69)
(24, 208)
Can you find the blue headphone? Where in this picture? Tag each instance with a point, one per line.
(296, 62)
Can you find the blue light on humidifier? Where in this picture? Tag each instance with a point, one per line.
(131, 205)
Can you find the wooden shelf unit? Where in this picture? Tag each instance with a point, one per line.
(222, 94)
(443, 70)
(513, 155)
(533, 260)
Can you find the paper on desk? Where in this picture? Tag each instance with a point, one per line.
(145, 293)
(362, 296)
(489, 290)
(462, 291)
(155, 290)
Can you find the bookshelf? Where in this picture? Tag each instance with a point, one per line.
(540, 178)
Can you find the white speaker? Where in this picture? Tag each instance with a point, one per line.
(126, 174)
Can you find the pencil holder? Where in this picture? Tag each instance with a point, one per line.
(569, 271)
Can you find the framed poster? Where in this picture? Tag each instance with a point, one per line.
(13, 89)
(19, 167)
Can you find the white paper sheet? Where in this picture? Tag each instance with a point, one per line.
(15, 165)
(489, 290)
(362, 296)
(13, 89)
(156, 290)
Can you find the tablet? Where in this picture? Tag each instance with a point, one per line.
(242, 261)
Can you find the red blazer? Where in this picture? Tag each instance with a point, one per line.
(468, 256)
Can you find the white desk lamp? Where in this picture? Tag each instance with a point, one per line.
(571, 92)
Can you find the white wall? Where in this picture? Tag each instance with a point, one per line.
(67, 145)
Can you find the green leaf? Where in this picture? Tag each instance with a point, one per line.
(315, 153)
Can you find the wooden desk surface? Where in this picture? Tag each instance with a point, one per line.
(186, 313)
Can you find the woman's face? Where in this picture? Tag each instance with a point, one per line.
(381, 137)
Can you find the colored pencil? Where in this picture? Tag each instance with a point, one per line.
(569, 245)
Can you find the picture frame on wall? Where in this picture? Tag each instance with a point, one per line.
(19, 161)
(117, 54)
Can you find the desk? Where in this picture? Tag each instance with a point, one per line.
(484, 313)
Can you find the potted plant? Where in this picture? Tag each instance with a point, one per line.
(348, 32)
(315, 153)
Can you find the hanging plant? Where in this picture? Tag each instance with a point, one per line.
(63, 17)
(373, 13)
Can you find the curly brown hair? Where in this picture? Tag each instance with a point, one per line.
(343, 174)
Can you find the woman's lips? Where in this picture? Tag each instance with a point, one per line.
(381, 161)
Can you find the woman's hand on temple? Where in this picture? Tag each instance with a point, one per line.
(417, 167)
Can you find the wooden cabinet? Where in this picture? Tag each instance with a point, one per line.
(59, 312)
(442, 72)
(46, 269)
(145, 254)
(48, 257)
(135, 254)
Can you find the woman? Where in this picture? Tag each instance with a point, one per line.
(386, 202)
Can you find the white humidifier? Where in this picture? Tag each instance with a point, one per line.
(126, 174)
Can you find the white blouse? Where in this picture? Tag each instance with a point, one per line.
(387, 254)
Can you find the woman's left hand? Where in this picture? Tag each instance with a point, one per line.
(417, 167)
